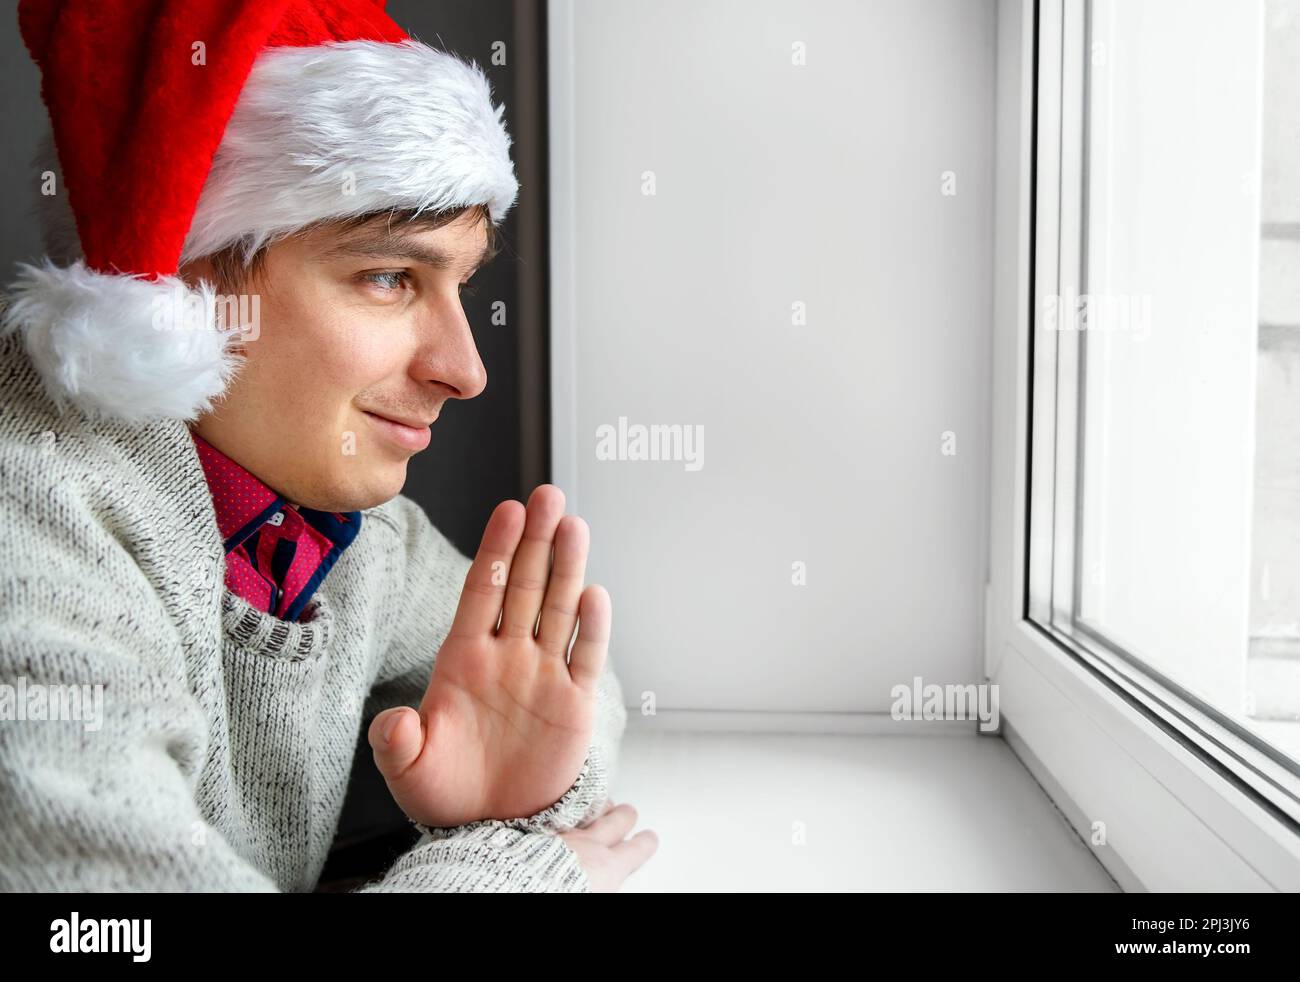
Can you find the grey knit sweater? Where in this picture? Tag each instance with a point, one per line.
(226, 735)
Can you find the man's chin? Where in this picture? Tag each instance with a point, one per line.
(383, 484)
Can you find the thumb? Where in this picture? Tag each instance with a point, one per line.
(396, 736)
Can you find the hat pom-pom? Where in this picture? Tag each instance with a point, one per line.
(120, 346)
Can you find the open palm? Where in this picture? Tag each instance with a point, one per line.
(507, 720)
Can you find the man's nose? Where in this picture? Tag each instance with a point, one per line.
(450, 356)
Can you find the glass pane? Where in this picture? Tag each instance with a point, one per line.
(1273, 658)
(1188, 554)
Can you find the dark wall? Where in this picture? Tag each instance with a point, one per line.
(24, 116)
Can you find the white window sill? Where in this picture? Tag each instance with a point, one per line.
(879, 813)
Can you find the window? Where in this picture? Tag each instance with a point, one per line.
(1164, 527)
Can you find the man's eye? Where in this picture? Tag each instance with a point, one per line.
(392, 280)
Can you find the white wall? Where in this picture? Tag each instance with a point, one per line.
(777, 183)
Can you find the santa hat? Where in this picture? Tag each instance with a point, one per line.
(183, 127)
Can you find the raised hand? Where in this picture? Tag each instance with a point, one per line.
(506, 723)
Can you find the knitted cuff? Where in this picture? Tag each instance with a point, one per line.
(580, 803)
(486, 860)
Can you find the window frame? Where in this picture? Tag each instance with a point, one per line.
(1170, 797)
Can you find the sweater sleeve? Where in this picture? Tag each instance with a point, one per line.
(100, 796)
(434, 576)
(487, 857)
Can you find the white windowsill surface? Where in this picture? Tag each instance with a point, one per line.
(879, 813)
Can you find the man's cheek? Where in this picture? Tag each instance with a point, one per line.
(364, 363)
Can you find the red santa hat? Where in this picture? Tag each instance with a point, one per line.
(183, 127)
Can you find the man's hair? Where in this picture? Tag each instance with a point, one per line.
(233, 268)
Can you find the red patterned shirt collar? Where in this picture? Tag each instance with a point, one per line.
(277, 554)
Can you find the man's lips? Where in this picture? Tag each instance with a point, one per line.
(407, 434)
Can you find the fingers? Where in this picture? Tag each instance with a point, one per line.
(531, 568)
(587, 659)
(560, 608)
(613, 824)
(396, 736)
(515, 580)
(632, 853)
(625, 856)
(485, 583)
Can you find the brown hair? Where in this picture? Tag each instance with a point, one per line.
(233, 269)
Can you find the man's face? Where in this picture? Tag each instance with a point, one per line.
(359, 332)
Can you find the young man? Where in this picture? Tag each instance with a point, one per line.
(206, 561)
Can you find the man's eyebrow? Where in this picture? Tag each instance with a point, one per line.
(390, 245)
